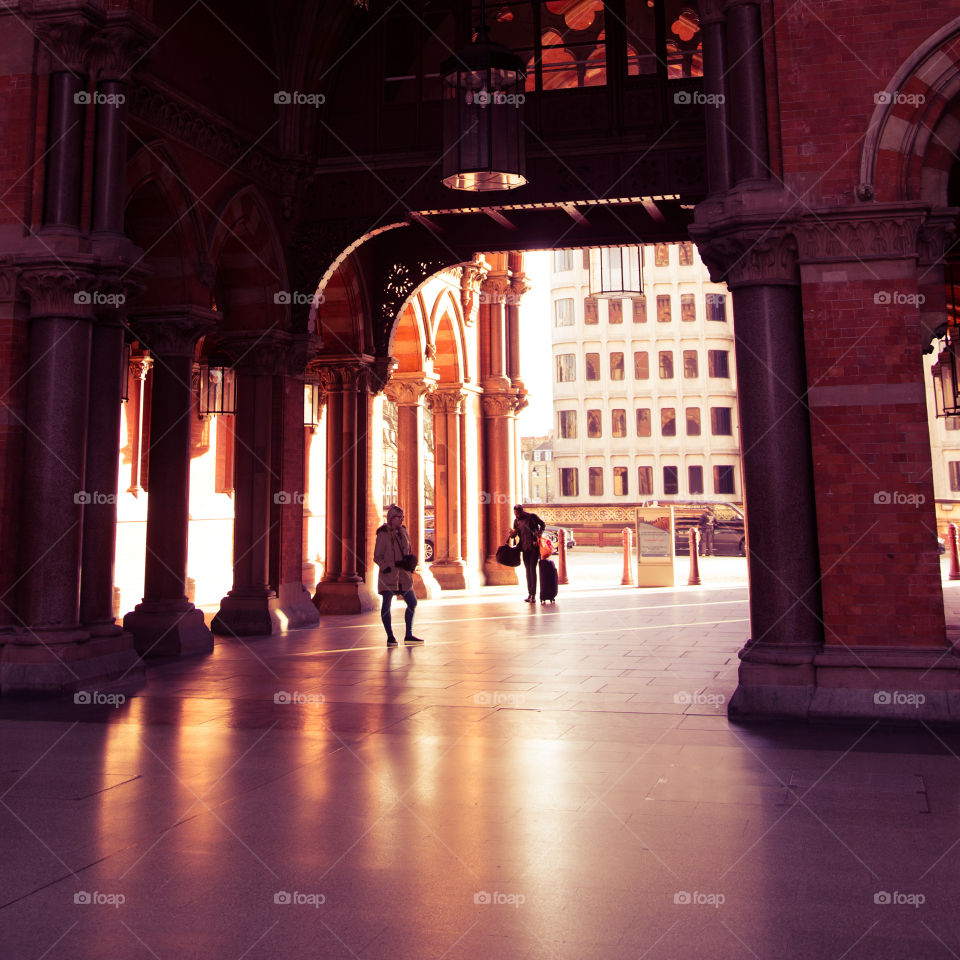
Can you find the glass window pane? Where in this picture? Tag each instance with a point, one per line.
(619, 423)
(643, 422)
(641, 365)
(619, 481)
(688, 308)
(720, 421)
(691, 367)
(716, 307)
(594, 424)
(671, 484)
(568, 424)
(615, 311)
(596, 481)
(686, 254)
(684, 39)
(566, 367)
(719, 363)
(663, 308)
(593, 366)
(563, 312)
(590, 310)
(723, 480)
(693, 421)
(569, 482)
(668, 422)
(616, 366)
(644, 481)
(661, 254)
(666, 364)
(695, 479)
(639, 309)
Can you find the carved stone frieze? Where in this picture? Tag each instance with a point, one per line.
(750, 256)
(207, 134)
(842, 238)
(937, 236)
(173, 331)
(273, 353)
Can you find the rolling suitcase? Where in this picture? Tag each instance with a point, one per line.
(548, 581)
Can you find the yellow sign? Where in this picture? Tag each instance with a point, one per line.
(654, 536)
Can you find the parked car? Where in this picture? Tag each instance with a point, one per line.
(428, 536)
(553, 535)
(729, 538)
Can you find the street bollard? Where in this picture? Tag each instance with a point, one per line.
(627, 580)
(694, 580)
(562, 558)
(952, 547)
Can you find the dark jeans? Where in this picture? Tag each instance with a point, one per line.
(530, 560)
(411, 600)
(706, 542)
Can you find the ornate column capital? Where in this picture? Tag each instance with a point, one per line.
(498, 404)
(937, 235)
(58, 291)
(118, 48)
(274, 353)
(174, 331)
(407, 390)
(140, 367)
(345, 374)
(447, 399)
(67, 36)
(519, 285)
(494, 288)
(749, 256)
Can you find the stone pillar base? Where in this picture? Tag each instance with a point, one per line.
(334, 597)
(425, 585)
(247, 616)
(450, 574)
(294, 604)
(882, 684)
(168, 628)
(60, 661)
(497, 575)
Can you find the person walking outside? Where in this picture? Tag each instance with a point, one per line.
(706, 524)
(393, 555)
(528, 527)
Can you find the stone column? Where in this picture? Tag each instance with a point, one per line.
(498, 497)
(748, 144)
(49, 650)
(448, 566)
(138, 369)
(713, 24)
(166, 623)
(342, 590)
(786, 615)
(107, 376)
(408, 391)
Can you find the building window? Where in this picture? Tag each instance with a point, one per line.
(668, 422)
(566, 367)
(619, 481)
(686, 254)
(688, 308)
(691, 367)
(695, 479)
(671, 482)
(614, 311)
(951, 423)
(719, 363)
(717, 307)
(569, 483)
(641, 365)
(643, 422)
(645, 481)
(666, 364)
(568, 424)
(693, 421)
(595, 480)
(954, 468)
(593, 366)
(594, 424)
(639, 309)
(616, 366)
(723, 480)
(663, 308)
(590, 310)
(562, 260)
(661, 254)
(720, 423)
(563, 315)
(619, 423)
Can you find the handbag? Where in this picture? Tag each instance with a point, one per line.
(409, 562)
(546, 548)
(508, 556)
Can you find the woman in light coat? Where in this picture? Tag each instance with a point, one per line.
(389, 553)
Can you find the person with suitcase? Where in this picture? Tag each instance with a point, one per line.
(528, 527)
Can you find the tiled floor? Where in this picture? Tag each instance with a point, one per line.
(534, 782)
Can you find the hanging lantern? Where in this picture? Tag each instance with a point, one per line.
(311, 403)
(217, 390)
(944, 374)
(483, 95)
(616, 272)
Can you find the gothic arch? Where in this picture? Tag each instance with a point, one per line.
(915, 126)
(451, 340)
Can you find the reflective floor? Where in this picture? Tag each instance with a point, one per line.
(533, 782)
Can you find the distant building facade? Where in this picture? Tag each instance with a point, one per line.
(537, 475)
(644, 388)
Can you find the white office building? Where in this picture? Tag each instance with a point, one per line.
(645, 391)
